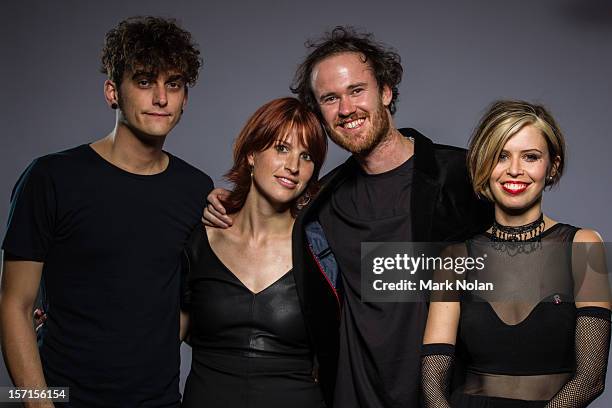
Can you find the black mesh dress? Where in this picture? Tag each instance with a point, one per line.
(526, 344)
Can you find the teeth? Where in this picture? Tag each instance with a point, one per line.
(515, 186)
(353, 123)
(287, 180)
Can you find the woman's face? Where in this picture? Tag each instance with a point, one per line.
(519, 177)
(282, 171)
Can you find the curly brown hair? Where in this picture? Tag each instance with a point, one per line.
(151, 44)
(385, 62)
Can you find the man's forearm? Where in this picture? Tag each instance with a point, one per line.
(20, 351)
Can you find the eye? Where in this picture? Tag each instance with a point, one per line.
(502, 156)
(306, 156)
(175, 85)
(531, 157)
(330, 99)
(143, 83)
(281, 148)
(357, 91)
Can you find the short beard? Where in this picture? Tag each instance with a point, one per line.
(380, 129)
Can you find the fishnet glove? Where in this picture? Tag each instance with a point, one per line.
(435, 375)
(592, 347)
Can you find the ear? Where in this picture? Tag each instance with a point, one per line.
(555, 165)
(185, 98)
(387, 95)
(111, 92)
(251, 159)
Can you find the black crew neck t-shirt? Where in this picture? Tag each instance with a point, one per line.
(378, 364)
(111, 244)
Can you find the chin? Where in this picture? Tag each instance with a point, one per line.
(352, 146)
(517, 206)
(279, 199)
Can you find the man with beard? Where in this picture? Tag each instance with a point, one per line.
(397, 186)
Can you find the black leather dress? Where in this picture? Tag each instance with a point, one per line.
(249, 349)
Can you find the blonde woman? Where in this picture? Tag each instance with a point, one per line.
(541, 338)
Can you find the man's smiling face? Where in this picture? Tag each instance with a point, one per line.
(352, 105)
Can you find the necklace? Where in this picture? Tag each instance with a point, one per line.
(523, 233)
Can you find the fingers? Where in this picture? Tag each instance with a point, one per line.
(214, 213)
(39, 317)
(216, 197)
(213, 218)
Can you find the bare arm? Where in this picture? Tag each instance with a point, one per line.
(214, 213)
(20, 282)
(442, 323)
(592, 335)
(589, 262)
(184, 329)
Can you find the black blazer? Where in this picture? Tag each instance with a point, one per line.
(443, 208)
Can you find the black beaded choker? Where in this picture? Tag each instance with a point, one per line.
(523, 233)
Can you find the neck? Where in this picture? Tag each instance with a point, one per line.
(389, 154)
(515, 218)
(130, 152)
(258, 219)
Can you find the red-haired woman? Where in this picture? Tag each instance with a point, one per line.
(250, 342)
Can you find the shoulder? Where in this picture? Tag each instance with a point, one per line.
(450, 157)
(587, 235)
(54, 164)
(436, 158)
(62, 158)
(331, 175)
(190, 174)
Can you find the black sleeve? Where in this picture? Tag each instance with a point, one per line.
(190, 259)
(185, 288)
(32, 215)
(592, 347)
(436, 367)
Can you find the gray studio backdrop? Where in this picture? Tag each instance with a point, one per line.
(458, 57)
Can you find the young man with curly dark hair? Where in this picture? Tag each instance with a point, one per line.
(100, 228)
(397, 186)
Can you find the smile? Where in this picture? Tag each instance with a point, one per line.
(285, 182)
(353, 124)
(514, 187)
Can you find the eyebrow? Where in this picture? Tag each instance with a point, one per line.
(146, 74)
(151, 75)
(176, 77)
(526, 150)
(284, 141)
(350, 88)
(357, 85)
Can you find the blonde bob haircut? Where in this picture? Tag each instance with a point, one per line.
(503, 120)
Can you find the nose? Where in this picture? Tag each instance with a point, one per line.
(347, 107)
(160, 96)
(514, 167)
(292, 163)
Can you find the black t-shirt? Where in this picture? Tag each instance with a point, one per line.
(378, 365)
(111, 243)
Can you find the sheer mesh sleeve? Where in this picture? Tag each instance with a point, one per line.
(436, 367)
(592, 347)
